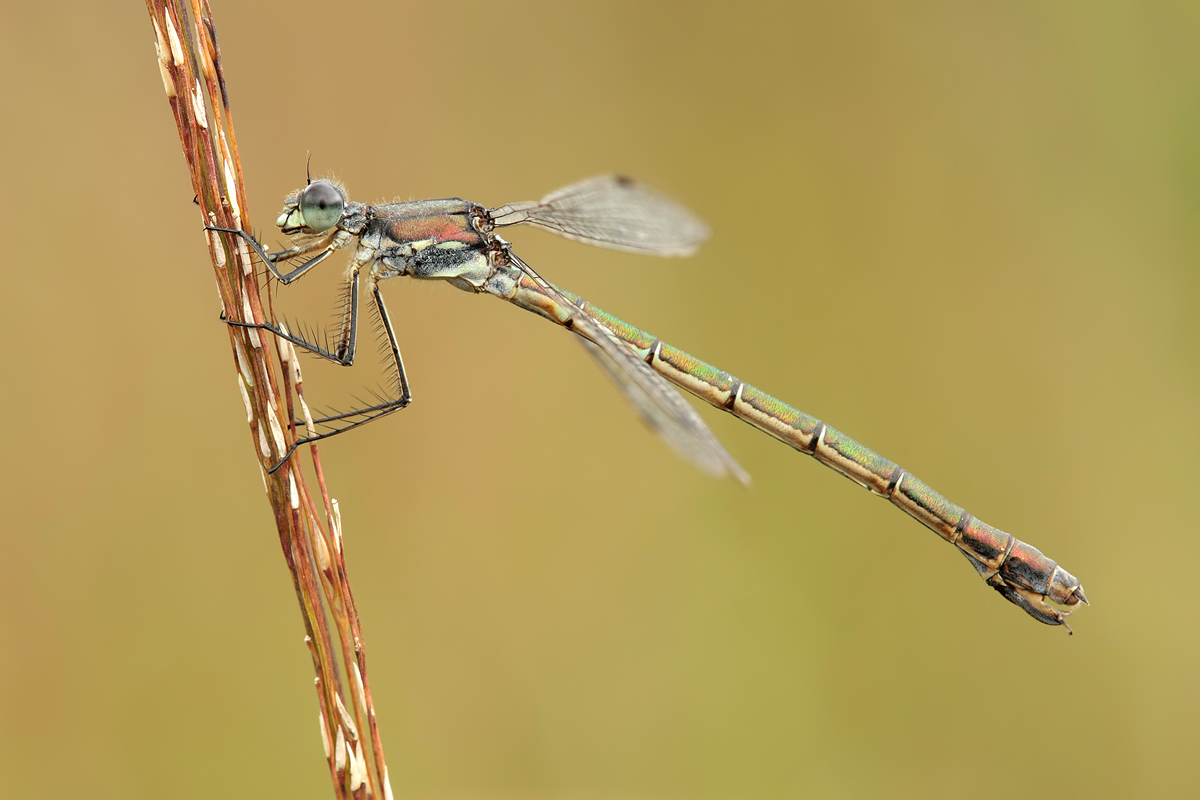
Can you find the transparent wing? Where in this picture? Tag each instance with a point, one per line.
(611, 211)
(666, 412)
(657, 402)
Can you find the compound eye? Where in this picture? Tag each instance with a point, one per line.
(321, 206)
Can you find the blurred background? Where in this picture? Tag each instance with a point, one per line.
(965, 235)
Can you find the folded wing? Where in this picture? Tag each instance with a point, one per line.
(614, 212)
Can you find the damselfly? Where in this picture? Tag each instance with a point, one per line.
(456, 241)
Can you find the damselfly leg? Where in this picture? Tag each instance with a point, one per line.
(343, 351)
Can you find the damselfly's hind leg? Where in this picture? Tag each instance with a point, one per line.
(342, 421)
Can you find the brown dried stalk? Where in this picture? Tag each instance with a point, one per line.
(190, 62)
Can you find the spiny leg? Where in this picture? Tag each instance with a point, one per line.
(401, 376)
(367, 413)
(346, 346)
(348, 338)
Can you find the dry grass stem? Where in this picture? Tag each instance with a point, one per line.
(310, 535)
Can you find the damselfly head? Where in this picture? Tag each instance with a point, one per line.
(316, 208)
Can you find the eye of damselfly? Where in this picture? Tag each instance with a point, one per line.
(321, 205)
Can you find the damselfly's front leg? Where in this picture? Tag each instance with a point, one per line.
(324, 247)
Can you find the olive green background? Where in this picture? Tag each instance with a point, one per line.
(965, 234)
